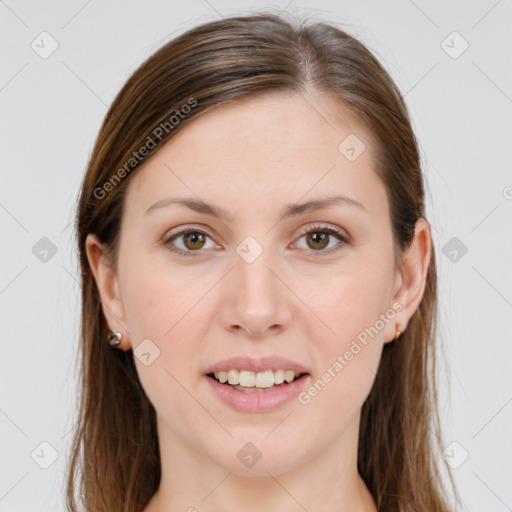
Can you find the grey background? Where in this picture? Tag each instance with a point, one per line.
(51, 111)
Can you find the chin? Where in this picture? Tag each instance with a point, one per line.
(257, 456)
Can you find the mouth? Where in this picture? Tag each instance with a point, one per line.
(247, 396)
(257, 384)
(254, 382)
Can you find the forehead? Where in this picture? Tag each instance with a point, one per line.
(259, 147)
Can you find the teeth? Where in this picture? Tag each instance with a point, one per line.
(289, 375)
(278, 376)
(265, 379)
(247, 379)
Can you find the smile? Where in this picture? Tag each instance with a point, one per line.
(253, 398)
(248, 379)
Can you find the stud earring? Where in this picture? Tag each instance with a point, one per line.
(114, 338)
(398, 332)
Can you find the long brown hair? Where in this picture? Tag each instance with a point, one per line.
(115, 463)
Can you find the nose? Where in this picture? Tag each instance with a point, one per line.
(256, 300)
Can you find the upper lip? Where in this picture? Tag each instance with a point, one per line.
(257, 364)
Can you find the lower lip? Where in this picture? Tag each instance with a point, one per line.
(257, 401)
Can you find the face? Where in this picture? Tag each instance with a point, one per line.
(307, 289)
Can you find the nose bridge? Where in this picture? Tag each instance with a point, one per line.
(257, 300)
(255, 282)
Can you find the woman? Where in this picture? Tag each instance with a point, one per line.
(258, 284)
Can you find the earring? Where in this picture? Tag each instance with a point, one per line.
(398, 332)
(114, 338)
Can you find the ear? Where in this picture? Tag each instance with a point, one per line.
(410, 277)
(108, 286)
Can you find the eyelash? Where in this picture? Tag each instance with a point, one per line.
(312, 229)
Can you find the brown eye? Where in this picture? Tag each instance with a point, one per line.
(193, 240)
(317, 240)
(188, 242)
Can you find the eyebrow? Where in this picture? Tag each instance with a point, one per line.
(290, 210)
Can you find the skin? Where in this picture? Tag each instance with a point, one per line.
(252, 158)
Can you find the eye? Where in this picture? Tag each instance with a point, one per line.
(193, 241)
(319, 237)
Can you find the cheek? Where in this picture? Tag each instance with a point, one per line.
(165, 308)
(355, 307)
(345, 372)
(159, 303)
(351, 302)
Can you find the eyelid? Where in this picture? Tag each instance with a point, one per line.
(325, 227)
(186, 229)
